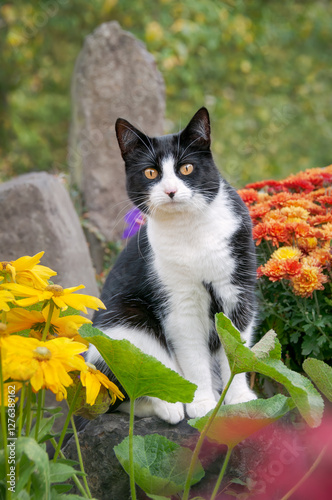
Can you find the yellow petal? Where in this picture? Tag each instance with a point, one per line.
(92, 388)
(80, 301)
(27, 262)
(37, 380)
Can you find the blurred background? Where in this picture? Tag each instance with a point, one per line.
(262, 68)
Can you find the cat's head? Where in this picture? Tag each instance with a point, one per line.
(171, 173)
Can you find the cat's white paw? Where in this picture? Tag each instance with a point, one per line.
(242, 397)
(172, 413)
(200, 408)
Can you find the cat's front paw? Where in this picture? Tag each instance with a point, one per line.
(172, 413)
(200, 408)
(242, 397)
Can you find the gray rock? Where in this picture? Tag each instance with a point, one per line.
(108, 480)
(114, 77)
(37, 214)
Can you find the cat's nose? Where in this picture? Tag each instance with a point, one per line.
(171, 194)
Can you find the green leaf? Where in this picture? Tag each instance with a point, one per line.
(321, 374)
(41, 475)
(139, 373)
(61, 488)
(160, 465)
(45, 427)
(158, 497)
(26, 469)
(268, 346)
(23, 495)
(60, 472)
(307, 399)
(234, 423)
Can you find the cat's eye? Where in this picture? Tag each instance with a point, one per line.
(186, 169)
(151, 173)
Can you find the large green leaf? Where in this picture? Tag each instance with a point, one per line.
(41, 473)
(234, 423)
(242, 359)
(321, 374)
(139, 373)
(160, 465)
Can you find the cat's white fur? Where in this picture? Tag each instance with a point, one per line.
(190, 242)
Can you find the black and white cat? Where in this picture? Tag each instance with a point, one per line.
(194, 257)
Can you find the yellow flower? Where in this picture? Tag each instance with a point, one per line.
(286, 253)
(5, 298)
(9, 393)
(19, 319)
(62, 297)
(45, 364)
(92, 379)
(26, 271)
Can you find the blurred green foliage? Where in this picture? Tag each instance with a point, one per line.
(262, 68)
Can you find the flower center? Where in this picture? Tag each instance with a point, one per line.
(57, 290)
(42, 353)
(4, 264)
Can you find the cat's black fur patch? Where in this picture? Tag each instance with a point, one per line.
(130, 300)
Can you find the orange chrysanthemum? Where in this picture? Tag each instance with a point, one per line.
(307, 244)
(273, 269)
(310, 279)
(259, 232)
(277, 232)
(294, 212)
(248, 195)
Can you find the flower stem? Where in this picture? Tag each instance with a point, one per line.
(202, 437)
(20, 422)
(131, 450)
(40, 411)
(28, 412)
(316, 302)
(80, 459)
(48, 321)
(221, 475)
(64, 430)
(74, 477)
(306, 475)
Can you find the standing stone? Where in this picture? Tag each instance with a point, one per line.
(114, 77)
(37, 215)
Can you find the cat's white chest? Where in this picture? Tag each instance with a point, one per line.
(194, 247)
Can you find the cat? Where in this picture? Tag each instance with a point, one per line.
(194, 257)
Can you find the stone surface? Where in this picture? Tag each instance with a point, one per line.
(106, 477)
(37, 215)
(114, 77)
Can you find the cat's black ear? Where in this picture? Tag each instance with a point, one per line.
(198, 131)
(128, 136)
